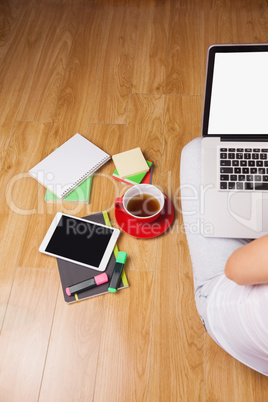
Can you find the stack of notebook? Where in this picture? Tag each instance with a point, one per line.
(132, 168)
(71, 273)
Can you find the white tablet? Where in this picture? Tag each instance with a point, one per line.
(80, 241)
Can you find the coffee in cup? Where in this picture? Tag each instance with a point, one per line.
(143, 205)
(143, 202)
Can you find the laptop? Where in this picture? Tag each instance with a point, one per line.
(234, 170)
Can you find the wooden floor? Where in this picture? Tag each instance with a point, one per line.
(123, 73)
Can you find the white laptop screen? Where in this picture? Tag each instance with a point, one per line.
(239, 94)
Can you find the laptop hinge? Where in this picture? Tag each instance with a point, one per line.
(238, 138)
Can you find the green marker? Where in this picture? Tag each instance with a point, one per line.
(118, 268)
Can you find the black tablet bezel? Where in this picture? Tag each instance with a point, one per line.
(85, 237)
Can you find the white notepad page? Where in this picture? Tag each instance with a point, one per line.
(69, 165)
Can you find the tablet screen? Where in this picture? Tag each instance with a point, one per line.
(80, 241)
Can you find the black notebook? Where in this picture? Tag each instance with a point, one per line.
(71, 273)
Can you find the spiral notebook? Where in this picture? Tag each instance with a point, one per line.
(69, 165)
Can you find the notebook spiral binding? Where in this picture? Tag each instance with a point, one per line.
(84, 177)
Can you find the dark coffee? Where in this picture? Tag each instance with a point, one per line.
(143, 205)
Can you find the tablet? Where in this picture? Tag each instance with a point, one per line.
(79, 240)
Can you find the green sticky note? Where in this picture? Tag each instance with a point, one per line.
(135, 179)
(80, 194)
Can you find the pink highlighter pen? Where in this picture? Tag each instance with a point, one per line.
(87, 284)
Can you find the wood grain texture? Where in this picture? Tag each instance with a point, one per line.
(149, 74)
(76, 94)
(177, 331)
(215, 27)
(37, 227)
(145, 126)
(226, 379)
(22, 51)
(183, 58)
(11, 16)
(123, 73)
(110, 137)
(17, 200)
(73, 352)
(126, 342)
(46, 74)
(25, 334)
(249, 22)
(116, 65)
(264, 387)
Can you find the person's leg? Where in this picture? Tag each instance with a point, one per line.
(208, 255)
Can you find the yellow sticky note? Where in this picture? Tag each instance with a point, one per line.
(130, 162)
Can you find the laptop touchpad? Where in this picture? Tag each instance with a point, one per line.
(240, 204)
(246, 209)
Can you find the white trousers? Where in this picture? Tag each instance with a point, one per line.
(208, 255)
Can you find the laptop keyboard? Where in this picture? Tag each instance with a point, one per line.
(243, 169)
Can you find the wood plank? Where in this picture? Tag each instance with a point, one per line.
(249, 22)
(37, 227)
(177, 343)
(17, 200)
(25, 333)
(226, 379)
(182, 124)
(124, 357)
(113, 84)
(264, 387)
(44, 82)
(72, 358)
(23, 51)
(216, 27)
(177, 329)
(110, 138)
(144, 129)
(73, 107)
(149, 74)
(183, 56)
(11, 17)
(204, 5)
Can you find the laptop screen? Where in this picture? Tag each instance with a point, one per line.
(236, 99)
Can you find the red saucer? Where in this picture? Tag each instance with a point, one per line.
(146, 230)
